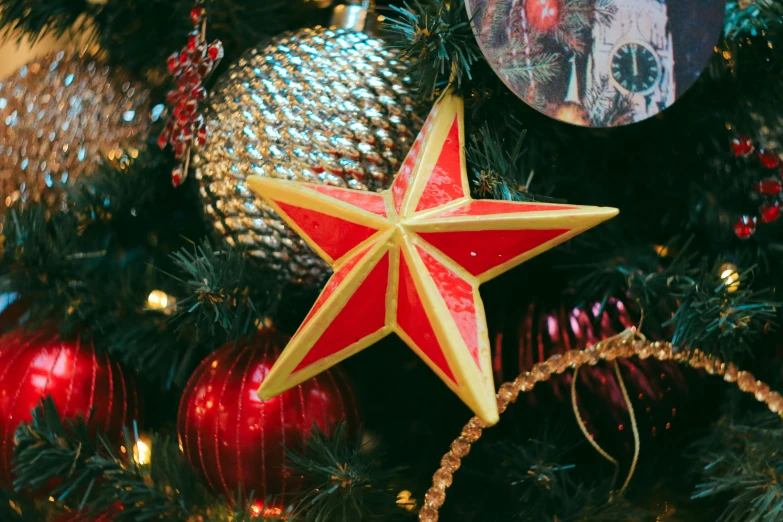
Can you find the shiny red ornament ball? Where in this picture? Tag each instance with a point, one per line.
(79, 379)
(233, 438)
(542, 15)
(658, 388)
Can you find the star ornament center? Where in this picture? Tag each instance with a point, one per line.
(410, 261)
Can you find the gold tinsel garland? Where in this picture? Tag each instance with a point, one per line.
(623, 346)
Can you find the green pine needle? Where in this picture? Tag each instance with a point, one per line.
(741, 459)
(224, 290)
(343, 484)
(436, 37)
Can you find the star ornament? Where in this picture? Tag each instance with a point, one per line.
(410, 261)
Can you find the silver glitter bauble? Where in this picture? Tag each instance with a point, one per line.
(318, 105)
(59, 115)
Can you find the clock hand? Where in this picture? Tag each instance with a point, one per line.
(635, 63)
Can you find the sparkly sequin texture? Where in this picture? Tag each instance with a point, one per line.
(316, 105)
(61, 114)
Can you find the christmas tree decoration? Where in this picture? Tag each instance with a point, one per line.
(59, 116)
(80, 380)
(622, 60)
(325, 106)
(620, 347)
(410, 261)
(234, 439)
(574, 113)
(190, 68)
(658, 388)
(769, 189)
(543, 15)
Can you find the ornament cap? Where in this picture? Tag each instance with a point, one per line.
(356, 15)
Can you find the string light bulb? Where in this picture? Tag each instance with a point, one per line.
(142, 450)
(405, 500)
(731, 279)
(162, 302)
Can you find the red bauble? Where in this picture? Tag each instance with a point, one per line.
(543, 15)
(233, 438)
(658, 388)
(79, 379)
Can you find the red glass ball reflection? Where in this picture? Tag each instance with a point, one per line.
(233, 438)
(657, 388)
(79, 379)
(543, 15)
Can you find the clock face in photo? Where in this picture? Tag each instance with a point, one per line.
(597, 63)
(635, 68)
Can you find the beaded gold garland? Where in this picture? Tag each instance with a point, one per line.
(623, 346)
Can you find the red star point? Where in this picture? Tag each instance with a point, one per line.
(410, 261)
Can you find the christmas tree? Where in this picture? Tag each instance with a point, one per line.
(322, 260)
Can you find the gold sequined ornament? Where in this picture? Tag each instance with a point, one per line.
(59, 116)
(318, 105)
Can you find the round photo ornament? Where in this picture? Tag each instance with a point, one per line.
(597, 63)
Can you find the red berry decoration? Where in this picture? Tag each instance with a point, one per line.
(543, 15)
(771, 189)
(233, 438)
(769, 159)
(770, 212)
(742, 146)
(190, 68)
(745, 227)
(79, 379)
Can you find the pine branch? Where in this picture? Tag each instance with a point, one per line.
(342, 483)
(741, 458)
(720, 315)
(437, 39)
(42, 258)
(751, 18)
(51, 449)
(577, 19)
(532, 473)
(224, 291)
(500, 171)
(89, 473)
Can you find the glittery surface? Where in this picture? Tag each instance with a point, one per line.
(317, 105)
(58, 116)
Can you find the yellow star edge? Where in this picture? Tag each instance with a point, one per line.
(474, 386)
(434, 219)
(294, 193)
(283, 375)
(578, 221)
(449, 107)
